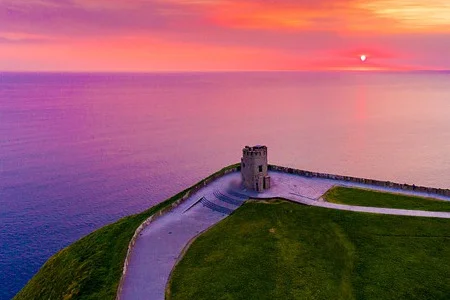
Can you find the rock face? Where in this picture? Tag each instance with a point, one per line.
(254, 168)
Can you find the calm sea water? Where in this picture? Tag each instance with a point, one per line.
(78, 151)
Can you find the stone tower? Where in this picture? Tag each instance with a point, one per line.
(254, 168)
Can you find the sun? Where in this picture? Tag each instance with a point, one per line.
(363, 58)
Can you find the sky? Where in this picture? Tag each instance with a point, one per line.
(223, 35)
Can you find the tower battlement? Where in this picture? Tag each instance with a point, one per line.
(254, 168)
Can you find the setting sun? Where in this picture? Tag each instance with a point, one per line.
(363, 58)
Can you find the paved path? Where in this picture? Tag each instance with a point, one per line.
(309, 191)
(160, 244)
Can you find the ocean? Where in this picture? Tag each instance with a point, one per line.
(79, 151)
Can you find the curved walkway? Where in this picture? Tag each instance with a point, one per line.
(161, 243)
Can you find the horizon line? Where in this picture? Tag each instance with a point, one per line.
(223, 71)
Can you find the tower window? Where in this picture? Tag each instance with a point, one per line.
(260, 168)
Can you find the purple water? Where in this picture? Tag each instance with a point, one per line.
(78, 151)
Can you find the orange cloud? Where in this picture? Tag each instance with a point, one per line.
(412, 15)
(261, 16)
(355, 16)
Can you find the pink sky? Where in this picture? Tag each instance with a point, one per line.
(209, 35)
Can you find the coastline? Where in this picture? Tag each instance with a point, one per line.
(169, 205)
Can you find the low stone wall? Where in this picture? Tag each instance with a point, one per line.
(387, 184)
(167, 209)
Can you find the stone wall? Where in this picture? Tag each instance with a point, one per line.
(185, 195)
(387, 184)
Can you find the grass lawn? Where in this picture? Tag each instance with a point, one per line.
(361, 197)
(91, 267)
(282, 250)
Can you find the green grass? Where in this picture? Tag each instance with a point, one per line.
(361, 197)
(91, 267)
(284, 250)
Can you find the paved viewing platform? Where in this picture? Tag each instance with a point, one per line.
(159, 245)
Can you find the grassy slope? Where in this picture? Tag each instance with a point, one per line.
(360, 197)
(91, 267)
(288, 251)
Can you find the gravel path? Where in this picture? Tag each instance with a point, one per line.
(160, 244)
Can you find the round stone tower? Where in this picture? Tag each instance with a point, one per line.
(254, 168)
